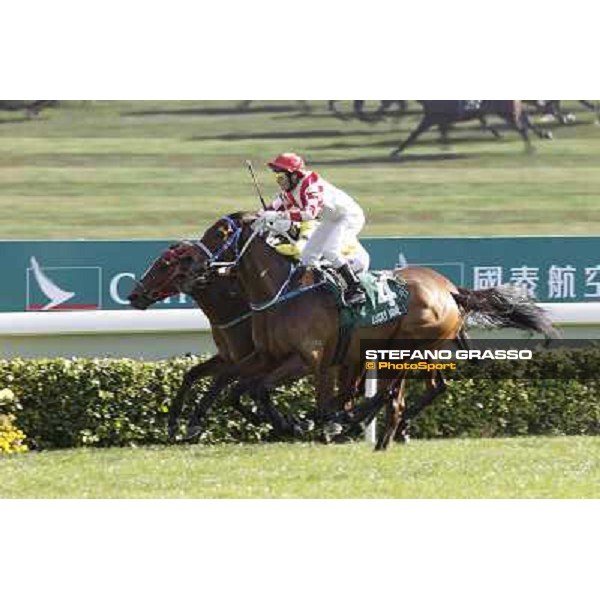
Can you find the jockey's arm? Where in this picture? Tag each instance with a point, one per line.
(312, 201)
(297, 215)
(276, 204)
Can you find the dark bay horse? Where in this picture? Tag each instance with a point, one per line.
(443, 113)
(228, 312)
(295, 326)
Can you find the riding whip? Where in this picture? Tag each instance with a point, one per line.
(256, 184)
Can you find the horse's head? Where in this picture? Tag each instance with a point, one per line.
(166, 276)
(224, 243)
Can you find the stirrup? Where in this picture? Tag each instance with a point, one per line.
(354, 296)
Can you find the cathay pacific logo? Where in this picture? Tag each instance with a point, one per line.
(63, 288)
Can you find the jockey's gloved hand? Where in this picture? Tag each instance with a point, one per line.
(281, 224)
(269, 215)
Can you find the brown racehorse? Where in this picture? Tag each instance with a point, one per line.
(228, 312)
(295, 326)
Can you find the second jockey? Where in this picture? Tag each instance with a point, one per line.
(306, 196)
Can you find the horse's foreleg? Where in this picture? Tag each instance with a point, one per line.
(207, 368)
(423, 126)
(486, 126)
(292, 368)
(206, 402)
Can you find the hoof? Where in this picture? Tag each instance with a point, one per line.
(305, 426)
(341, 439)
(299, 429)
(332, 429)
(192, 434)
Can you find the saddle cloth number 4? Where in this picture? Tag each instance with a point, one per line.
(385, 295)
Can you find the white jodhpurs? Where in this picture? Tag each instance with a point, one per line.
(359, 260)
(329, 238)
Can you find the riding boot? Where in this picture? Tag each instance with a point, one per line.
(354, 294)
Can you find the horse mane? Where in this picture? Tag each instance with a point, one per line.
(243, 216)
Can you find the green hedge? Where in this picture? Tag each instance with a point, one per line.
(108, 402)
(12, 439)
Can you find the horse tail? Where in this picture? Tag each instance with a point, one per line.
(504, 306)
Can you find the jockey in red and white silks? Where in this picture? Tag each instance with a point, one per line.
(307, 196)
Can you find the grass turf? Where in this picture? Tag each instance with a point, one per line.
(127, 170)
(489, 468)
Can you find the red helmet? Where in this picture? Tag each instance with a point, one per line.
(289, 162)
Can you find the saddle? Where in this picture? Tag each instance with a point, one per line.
(386, 294)
(467, 108)
(387, 297)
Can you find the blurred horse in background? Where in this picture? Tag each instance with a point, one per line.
(444, 113)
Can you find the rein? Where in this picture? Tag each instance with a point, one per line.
(214, 257)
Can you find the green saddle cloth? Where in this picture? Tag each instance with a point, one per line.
(387, 299)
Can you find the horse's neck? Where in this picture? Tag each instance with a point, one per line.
(262, 271)
(220, 301)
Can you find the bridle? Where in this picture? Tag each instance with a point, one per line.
(171, 256)
(214, 257)
(234, 240)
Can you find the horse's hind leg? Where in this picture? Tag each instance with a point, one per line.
(292, 368)
(543, 134)
(594, 107)
(463, 341)
(433, 391)
(522, 123)
(393, 415)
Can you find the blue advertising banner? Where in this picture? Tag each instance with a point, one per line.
(553, 269)
(90, 275)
